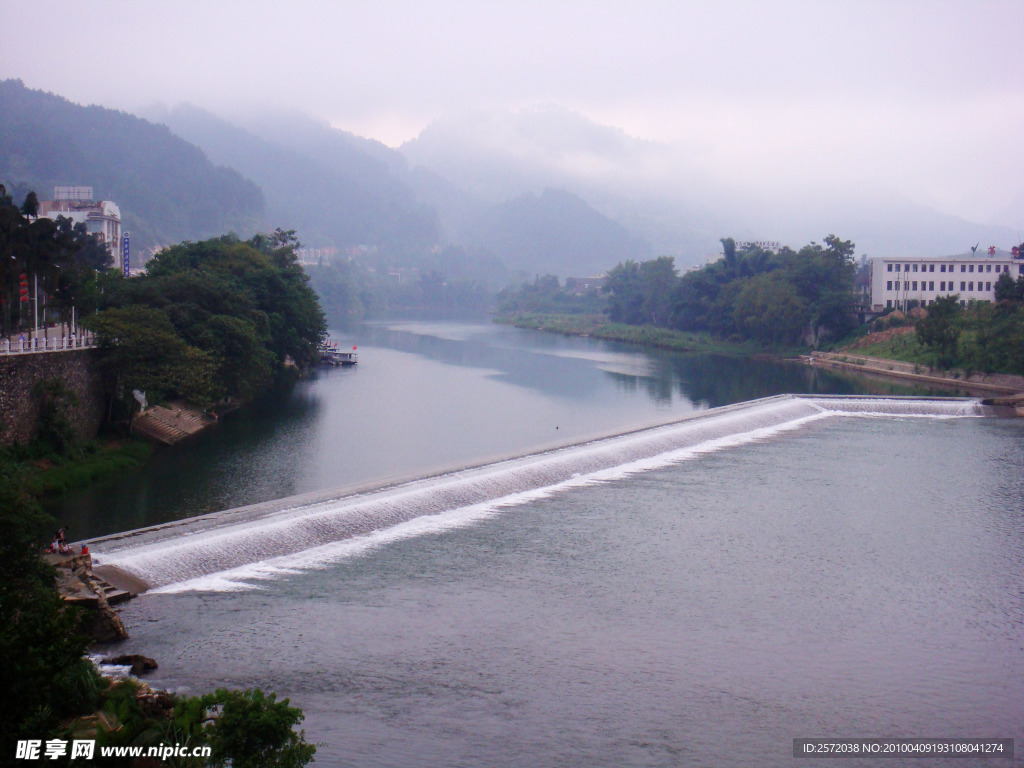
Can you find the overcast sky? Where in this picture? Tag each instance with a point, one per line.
(921, 97)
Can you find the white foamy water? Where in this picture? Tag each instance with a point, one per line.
(234, 549)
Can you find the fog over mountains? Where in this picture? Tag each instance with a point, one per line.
(671, 196)
(545, 189)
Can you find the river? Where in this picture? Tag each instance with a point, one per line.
(426, 397)
(702, 593)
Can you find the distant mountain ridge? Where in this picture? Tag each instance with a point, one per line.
(546, 190)
(166, 188)
(315, 179)
(338, 189)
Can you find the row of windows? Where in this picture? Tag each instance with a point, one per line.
(949, 268)
(924, 303)
(911, 285)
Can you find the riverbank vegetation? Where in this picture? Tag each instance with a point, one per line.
(598, 327)
(753, 298)
(209, 321)
(980, 337)
(56, 459)
(451, 282)
(52, 691)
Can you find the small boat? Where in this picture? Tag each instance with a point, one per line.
(331, 355)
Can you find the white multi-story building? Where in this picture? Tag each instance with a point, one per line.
(100, 217)
(898, 281)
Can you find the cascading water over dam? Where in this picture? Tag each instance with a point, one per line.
(223, 549)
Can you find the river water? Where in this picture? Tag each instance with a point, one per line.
(700, 594)
(426, 397)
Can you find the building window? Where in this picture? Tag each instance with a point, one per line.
(888, 285)
(970, 286)
(988, 286)
(915, 267)
(963, 286)
(931, 285)
(942, 268)
(970, 267)
(931, 267)
(988, 267)
(888, 267)
(888, 303)
(906, 267)
(963, 267)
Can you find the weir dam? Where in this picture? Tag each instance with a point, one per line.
(230, 549)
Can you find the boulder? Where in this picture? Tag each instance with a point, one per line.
(139, 664)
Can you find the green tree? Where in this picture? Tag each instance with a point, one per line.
(254, 730)
(768, 308)
(938, 331)
(45, 674)
(624, 288)
(140, 349)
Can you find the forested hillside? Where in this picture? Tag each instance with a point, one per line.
(166, 188)
(316, 181)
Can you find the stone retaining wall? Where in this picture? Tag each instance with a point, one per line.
(19, 410)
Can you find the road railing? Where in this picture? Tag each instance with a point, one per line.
(22, 346)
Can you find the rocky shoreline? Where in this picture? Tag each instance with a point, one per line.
(79, 586)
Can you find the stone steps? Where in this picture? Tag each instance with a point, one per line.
(172, 424)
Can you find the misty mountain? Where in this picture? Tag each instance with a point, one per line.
(668, 195)
(554, 232)
(317, 180)
(166, 188)
(644, 186)
(339, 189)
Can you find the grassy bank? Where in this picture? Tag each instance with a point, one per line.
(598, 327)
(903, 347)
(50, 474)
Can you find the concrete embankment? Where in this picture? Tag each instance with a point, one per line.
(994, 384)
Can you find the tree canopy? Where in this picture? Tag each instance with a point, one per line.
(55, 259)
(209, 320)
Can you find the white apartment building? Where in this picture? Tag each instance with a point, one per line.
(100, 217)
(898, 281)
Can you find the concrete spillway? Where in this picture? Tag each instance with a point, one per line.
(224, 549)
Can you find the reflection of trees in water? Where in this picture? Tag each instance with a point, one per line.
(658, 386)
(712, 380)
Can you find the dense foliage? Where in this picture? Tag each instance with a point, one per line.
(210, 320)
(45, 675)
(546, 295)
(55, 260)
(983, 336)
(782, 297)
